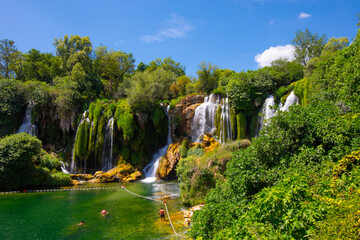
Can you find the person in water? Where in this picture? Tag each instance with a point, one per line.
(81, 223)
(162, 214)
(104, 212)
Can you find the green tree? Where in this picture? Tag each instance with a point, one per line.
(11, 100)
(307, 45)
(335, 44)
(141, 67)
(7, 56)
(179, 87)
(72, 50)
(167, 64)
(40, 66)
(286, 72)
(113, 66)
(208, 77)
(149, 87)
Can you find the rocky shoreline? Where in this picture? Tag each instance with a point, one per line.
(124, 172)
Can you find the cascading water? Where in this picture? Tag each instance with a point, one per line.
(73, 164)
(63, 167)
(150, 169)
(225, 120)
(290, 100)
(27, 126)
(268, 112)
(204, 118)
(106, 161)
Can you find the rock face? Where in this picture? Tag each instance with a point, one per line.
(124, 172)
(209, 143)
(183, 113)
(168, 163)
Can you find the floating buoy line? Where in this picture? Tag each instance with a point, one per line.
(59, 190)
(95, 188)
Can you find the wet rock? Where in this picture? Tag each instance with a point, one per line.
(123, 172)
(189, 213)
(168, 163)
(81, 177)
(197, 207)
(184, 112)
(209, 143)
(133, 177)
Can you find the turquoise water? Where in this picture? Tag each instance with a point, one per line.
(55, 215)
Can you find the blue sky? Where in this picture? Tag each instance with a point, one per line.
(227, 33)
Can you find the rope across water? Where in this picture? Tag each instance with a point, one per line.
(96, 188)
(152, 199)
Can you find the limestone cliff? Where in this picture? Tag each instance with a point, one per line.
(182, 115)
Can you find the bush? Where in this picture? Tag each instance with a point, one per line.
(183, 148)
(18, 153)
(195, 151)
(49, 161)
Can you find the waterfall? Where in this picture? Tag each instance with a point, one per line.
(73, 164)
(225, 120)
(27, 126)
(204, 119)
(150, 169)
(268, 112)
(290, 100)
(106, 162)
(63, 167)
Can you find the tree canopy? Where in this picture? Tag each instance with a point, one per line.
(307, 45)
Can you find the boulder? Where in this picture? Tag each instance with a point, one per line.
(133, 177)
(168, 162)
(124, 172)
(209, 143)
(81, 177)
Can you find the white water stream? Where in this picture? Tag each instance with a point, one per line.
(267, 112)
(107, 154)
(150, 169)
(27, 126)
(204, 118)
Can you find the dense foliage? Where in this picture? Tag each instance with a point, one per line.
(299, 178)
(23, 164)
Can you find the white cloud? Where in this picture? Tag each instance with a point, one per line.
(177, 27)
(303, 15)
(273, 53)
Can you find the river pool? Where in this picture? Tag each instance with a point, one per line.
(55, 215)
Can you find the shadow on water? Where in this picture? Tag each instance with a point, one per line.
(55, 215)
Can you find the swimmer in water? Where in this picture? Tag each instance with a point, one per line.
(104, 212)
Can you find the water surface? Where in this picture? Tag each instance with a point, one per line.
(55, 215)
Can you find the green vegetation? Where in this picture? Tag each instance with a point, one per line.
(24, 165)
(299, 178)
(198, 171)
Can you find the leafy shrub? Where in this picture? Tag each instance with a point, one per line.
(183, 148)
(49, 161)
(18, 153)
(195, 151)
